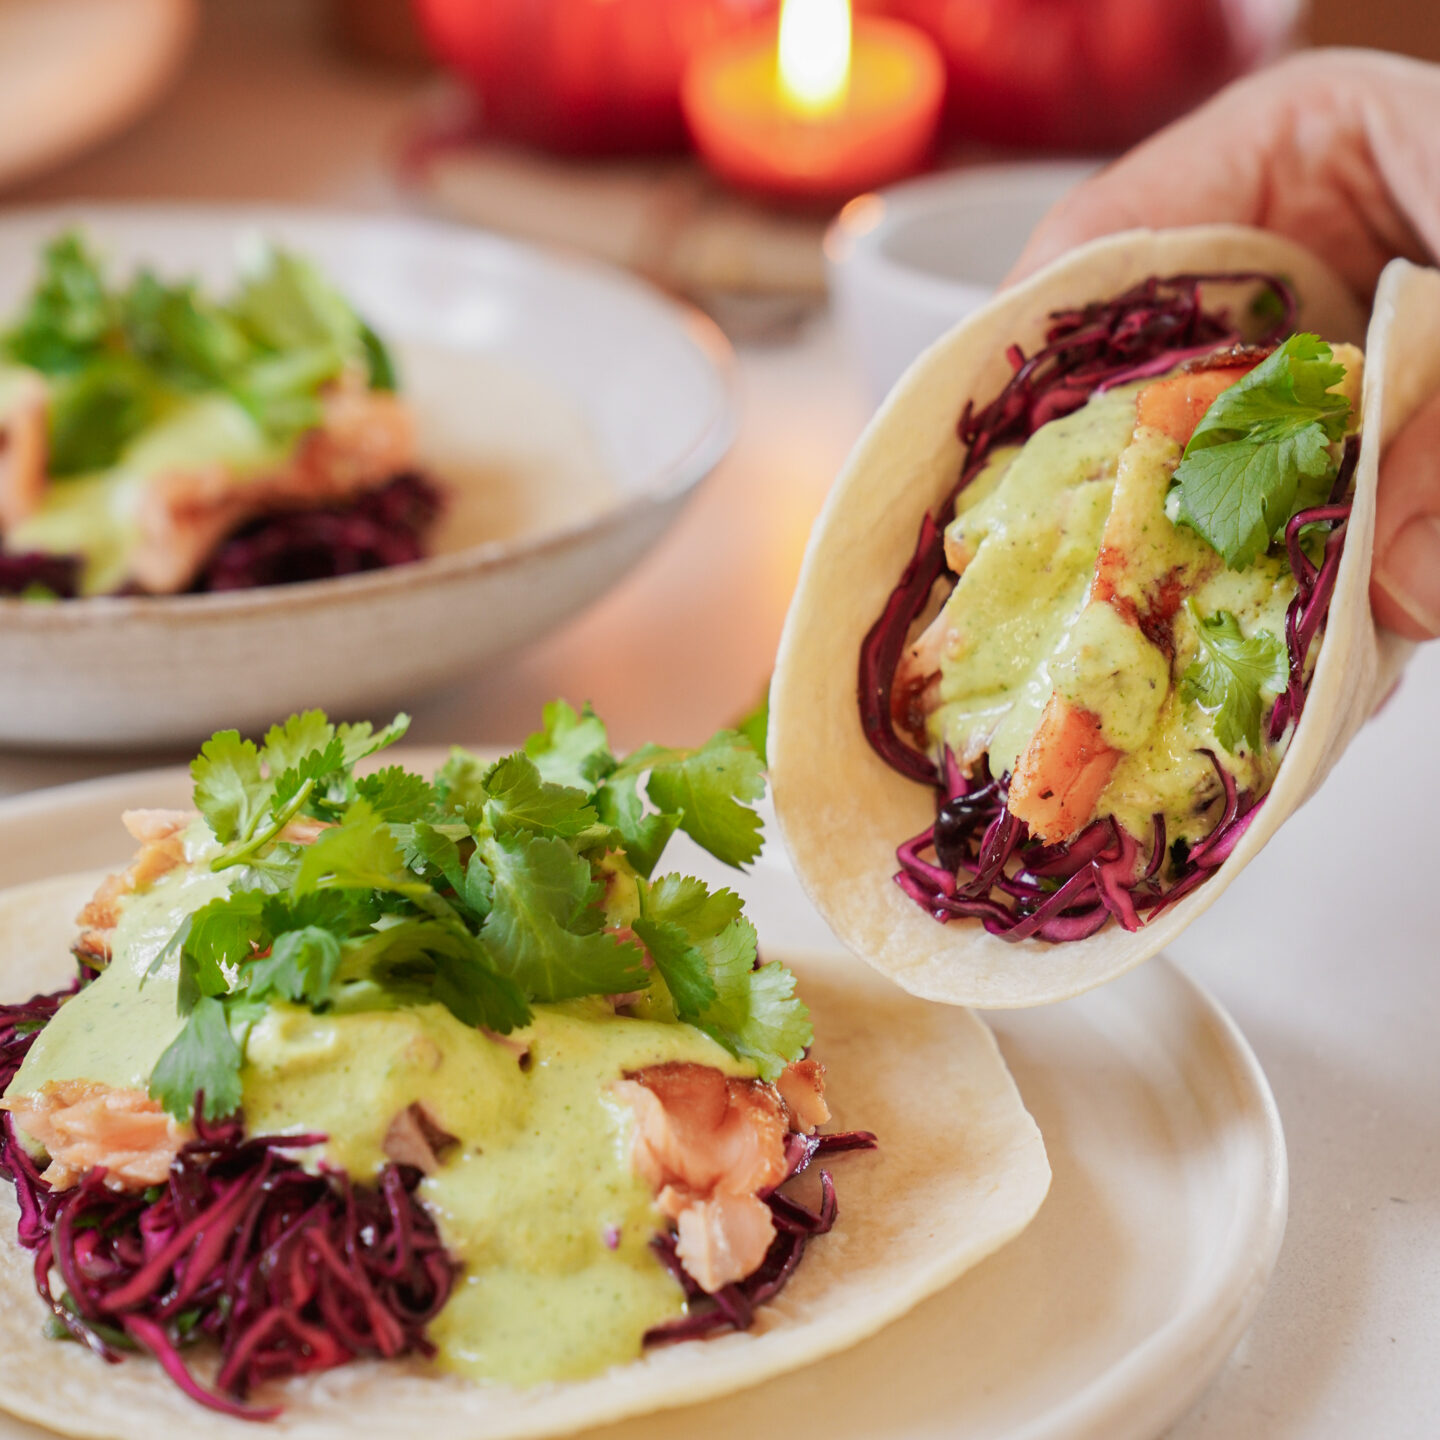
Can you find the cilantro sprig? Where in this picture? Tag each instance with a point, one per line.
(489, 889)
(1233, 675)
(1264, 450)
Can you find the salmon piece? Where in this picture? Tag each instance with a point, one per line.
(1062, 773)
(706, 1143)
(1176, 405)
(802, 1088)
(365, 438)
(414, 1138)
(84, 1125)
(304, 830)
(723, 1239)
(153, 826)
(162, 847)
(24, 453)
(915, 691)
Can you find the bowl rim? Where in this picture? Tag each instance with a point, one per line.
(659, 490)
(857, 237)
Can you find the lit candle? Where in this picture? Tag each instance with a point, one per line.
(828, 107)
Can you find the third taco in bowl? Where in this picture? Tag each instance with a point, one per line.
(1086, 615)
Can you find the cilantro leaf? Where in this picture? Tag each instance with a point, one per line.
(396, 794)
(96, 412)
(1263, 445)
(378, 361)
(362, 740)
(643, 835)
(460, 781)
(1231, 674)
(359, 853)
(291, 744)
(706, 788)
(301, 965)
(286, 304)
(230, 791)
(758, 1015)
(755, 726)
(543, 930)
(705, 950)
(202, 1057)
(427, 960)
(181, 335)
(573, 749)
(685, 929)
(519, 797)
(68, 315)
(429, 847)
(216, 939)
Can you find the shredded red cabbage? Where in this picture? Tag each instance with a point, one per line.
(284, 1271)
(986, 865)
(34, 571)
(734, 1306)
(383, 527)
(374, 531)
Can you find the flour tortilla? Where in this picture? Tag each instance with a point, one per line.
(843, 811)
(961, 1170)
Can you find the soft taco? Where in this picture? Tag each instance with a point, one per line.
(429, 1105)
(1016, 757)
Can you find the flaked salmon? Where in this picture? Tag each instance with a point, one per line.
(84, 1125)
(161, 834)
(710, 1145)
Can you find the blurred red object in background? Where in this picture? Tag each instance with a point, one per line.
(583, 76)
(1091, 75)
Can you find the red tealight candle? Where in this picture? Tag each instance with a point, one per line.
(823, 110)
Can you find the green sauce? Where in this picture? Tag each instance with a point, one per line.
(1028, 534)
(1033, 529)
(540, 1176)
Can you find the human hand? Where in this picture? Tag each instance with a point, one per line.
(1339, 150)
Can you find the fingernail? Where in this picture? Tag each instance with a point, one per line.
(1409, 571)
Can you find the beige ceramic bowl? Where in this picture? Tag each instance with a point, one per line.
(570, 409)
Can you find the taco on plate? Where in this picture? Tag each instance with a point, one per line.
(431, 1097)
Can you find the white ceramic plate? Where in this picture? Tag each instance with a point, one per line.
(1103, 1321)
(73, 71)
(570, 408)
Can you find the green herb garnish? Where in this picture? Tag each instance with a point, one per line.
(492, 888)
(118, 359)
(1232, 674)
(1263, 450)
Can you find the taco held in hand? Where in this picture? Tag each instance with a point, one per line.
(1102, 648)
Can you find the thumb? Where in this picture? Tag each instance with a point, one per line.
(1405, 585)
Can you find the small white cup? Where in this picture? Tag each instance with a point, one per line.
(906, 263)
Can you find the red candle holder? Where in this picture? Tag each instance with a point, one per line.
(754, 135)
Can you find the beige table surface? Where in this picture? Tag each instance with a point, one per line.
(1325, 951)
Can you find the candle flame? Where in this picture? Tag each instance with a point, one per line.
(814, 54)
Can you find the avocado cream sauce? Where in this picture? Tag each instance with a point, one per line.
(1028, 532)
(97, 515)
(1030, 524)
(538, 1197)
